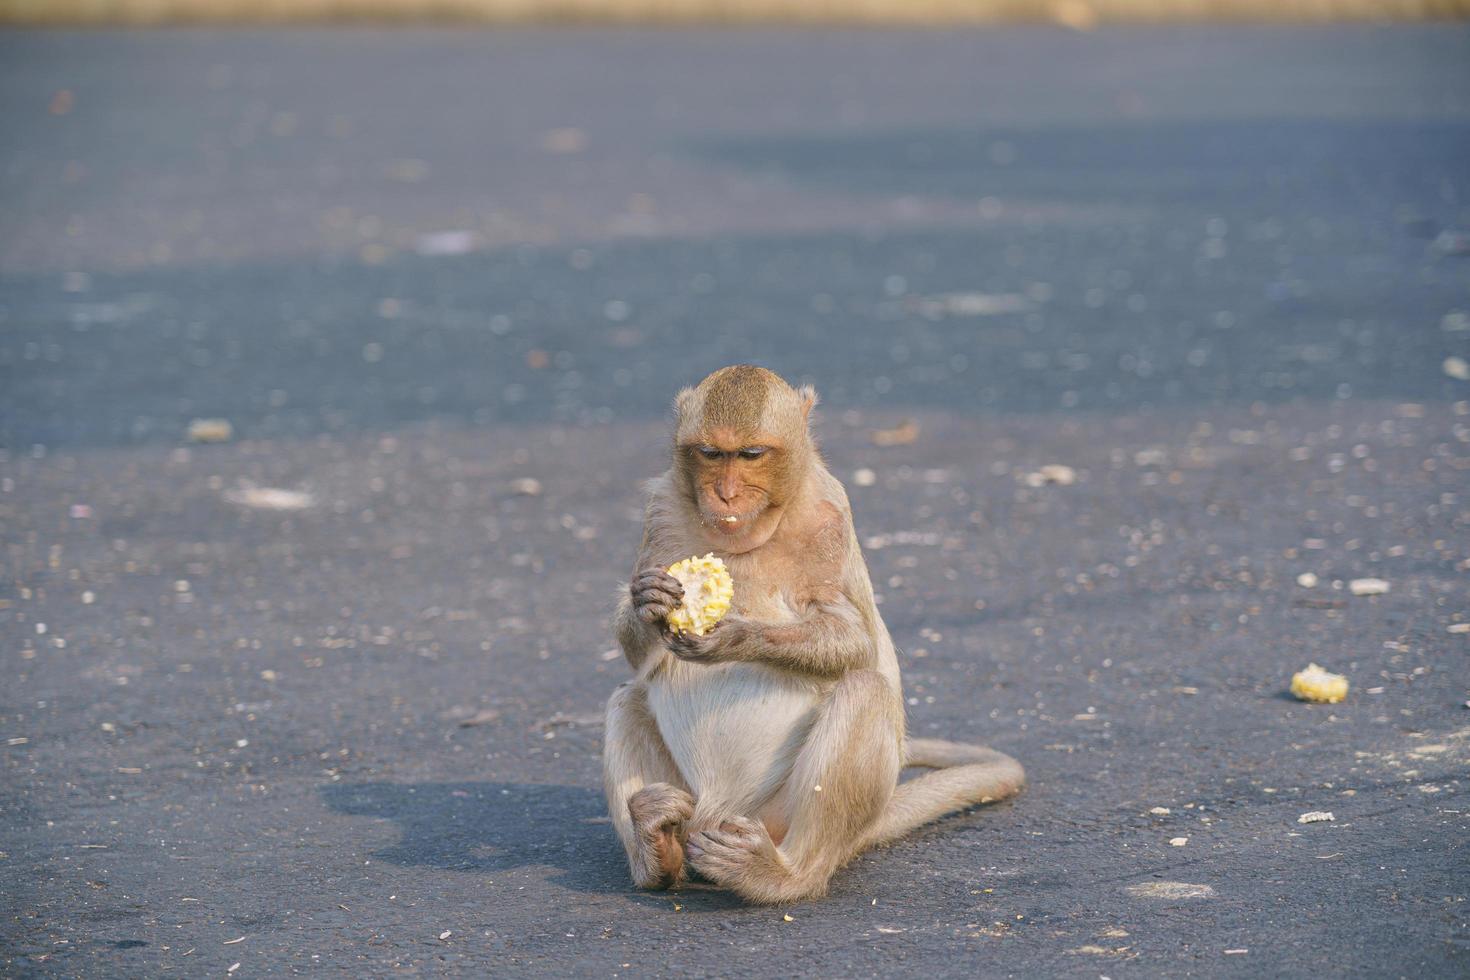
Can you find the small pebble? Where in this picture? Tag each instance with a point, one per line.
(1170, 890)
(454, 242)
(899, 435)
(1062, 476)
(1452, 241)
(527, 486)
(269, 498)
(1307, 580)
(1316, 816)
(864, 477)
(1368, 586)
(210, 430)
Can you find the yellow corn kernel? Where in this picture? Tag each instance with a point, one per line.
(708, 590)
(1316, 684)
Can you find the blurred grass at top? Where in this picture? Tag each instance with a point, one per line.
(1079, 14)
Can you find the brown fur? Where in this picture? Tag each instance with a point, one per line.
(765, 754)
(735, 398)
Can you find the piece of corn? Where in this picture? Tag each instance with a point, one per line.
(708, 590)
(1316, 684)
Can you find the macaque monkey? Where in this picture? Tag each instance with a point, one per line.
(766, 753)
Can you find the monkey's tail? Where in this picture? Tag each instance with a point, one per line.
(965, 775)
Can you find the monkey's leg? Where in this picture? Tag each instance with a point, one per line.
(645, 795)
(967, 775)
(839, 786)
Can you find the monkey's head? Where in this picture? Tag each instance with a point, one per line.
(742, 449)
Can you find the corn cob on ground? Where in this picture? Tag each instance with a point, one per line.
(708, 590)
(1316, 684)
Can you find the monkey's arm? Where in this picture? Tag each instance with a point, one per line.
(827, 641)
(636, 637)
(644, 608)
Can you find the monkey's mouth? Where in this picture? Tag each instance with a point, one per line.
(732, 523)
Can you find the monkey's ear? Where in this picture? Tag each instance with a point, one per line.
(682, 401)
(808, 396)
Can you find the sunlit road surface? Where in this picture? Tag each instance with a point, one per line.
(325, 696)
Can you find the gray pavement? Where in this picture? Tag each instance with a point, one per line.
(312, 699)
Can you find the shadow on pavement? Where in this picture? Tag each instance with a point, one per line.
(488, 827)
(493, 827)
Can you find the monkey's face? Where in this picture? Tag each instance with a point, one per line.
(735, 481)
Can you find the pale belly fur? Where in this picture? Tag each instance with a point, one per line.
(733, 730)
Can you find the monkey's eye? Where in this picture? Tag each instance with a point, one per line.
(710, 452)
(752, 452)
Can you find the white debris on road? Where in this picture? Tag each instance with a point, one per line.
(1062, 476)
(210, 430)
(456, 242)
(527, 486)
(1368, 586)
(269, 498)
(1170, 890)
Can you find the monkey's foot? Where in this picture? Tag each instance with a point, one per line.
(740, 855)
(659, 812)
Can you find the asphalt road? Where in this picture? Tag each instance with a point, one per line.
(324, 697)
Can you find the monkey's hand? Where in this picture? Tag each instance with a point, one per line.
(655, 594)
(718, 644)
